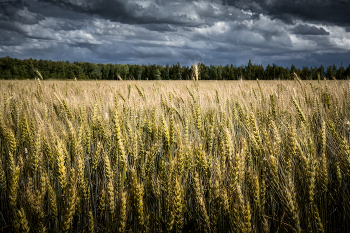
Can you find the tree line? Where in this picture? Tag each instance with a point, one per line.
(12, 68)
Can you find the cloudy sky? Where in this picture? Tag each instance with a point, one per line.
(284, 32)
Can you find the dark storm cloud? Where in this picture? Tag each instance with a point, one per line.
(324, 11)
(160, 27)
(121, 11)
(10, 38)
(304, 29)
(185, 31)
(17, 11)
(8, 26)
(49, 9)
(187, 13)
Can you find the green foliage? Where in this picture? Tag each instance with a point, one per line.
(25, 69)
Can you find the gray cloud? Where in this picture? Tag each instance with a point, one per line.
(17, 11)
(160, 27)
(160, 31)
(305, 29)
(323, 11)
(189, 13)
(10, 38)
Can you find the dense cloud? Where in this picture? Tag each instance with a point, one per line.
(185, 31)
(333, 12)
(309, 30)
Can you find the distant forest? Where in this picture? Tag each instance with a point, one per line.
(12, 68)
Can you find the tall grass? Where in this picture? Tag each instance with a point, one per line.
(174, 156)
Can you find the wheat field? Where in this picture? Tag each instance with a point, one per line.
(174, 156)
